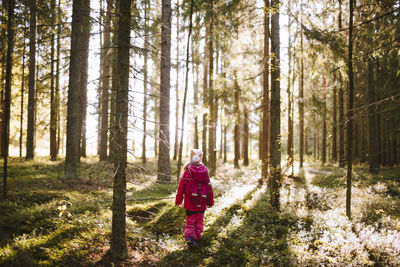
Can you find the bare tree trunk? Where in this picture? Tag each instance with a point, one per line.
(246, 137)
(236, 129)
(350, 114)
(145, 74)
(221, 131)
(21, 120)
(31, 83)
(265, 145)
(196, 95)
(114, 85)
(225, 134)
(84, 74)
(71, 170)
(323, 158)
(105, 81)
(118, 247)
(100, 86)
(290, 150)
(334, 125)
(212, 99)
(341, 128)
(57, 88)
(275, 169)
(315, 136)
(205, 98)
(301, 95)
(7, 97)
(177, 85)
(53, 115)
(164, 144)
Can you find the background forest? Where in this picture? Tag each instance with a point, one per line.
(295, 105)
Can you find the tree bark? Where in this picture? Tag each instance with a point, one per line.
(350, 114)
(7, 96)
(84, 74)
(334, 124)
(290, 150)
(57, 85)
(196, 95)
(21, 120)
(163, 157)
(301, 96)
(323, 158)
(205, 98)
(53, 114)
(105, 81)
(236, 129)
(177, 85)
(212, 98)
(71, 170)
(275, 139)
(118, 246)
(31, 83)
(225, 134)
(265, 99)
(114, 85)
(246, 137)
(145, 79)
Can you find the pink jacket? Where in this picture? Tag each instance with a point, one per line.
(200, 174)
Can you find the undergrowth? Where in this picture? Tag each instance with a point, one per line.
(47, 222)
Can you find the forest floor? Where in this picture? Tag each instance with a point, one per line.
(47, 222)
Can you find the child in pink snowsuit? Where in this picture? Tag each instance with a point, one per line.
(196, 191)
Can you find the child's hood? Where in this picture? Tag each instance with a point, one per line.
(199, 173)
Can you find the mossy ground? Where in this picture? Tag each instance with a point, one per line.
(47, 222)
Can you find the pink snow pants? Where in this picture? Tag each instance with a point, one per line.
(194, 226)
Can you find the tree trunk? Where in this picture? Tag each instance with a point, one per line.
(118, 246)
(324, 122)
(289, 150)
(265, 145)
(225, 134)
(99, 88)
(114, 86)
(53, 115)
(7, 97)
(205, 97)
(105, 81)
(57, 85)
(350, 114)
(163, 157)
(275, 152)
(31, 83)
(341, 127)
(246, 137)
(145, 79)
(334, 125)
(84, 74)
(177, 85)
(315, 136)
(71, 170)
(21, 120)
(301, 96)
(236, 129)
(212, 101)
(196, 95)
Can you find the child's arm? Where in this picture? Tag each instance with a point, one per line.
(181, 188)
